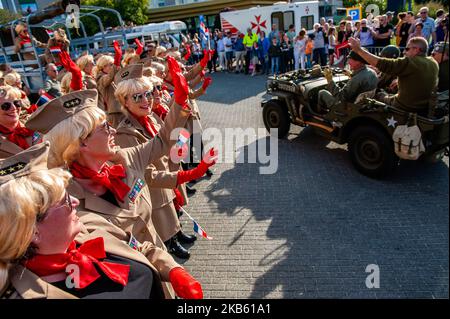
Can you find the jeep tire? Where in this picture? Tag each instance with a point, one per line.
(372, 151)
(276, 115)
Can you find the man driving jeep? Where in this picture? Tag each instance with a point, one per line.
(362, 80)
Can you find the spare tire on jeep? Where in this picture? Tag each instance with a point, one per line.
(276, 115)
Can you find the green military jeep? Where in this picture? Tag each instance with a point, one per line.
(366, 125)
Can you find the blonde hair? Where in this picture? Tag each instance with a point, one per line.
(65, 136)
(101, 63)
(22, 200)
(83, 61)
(65, 83)
(12, 78)
(11, 92)
(128, 87)
(148, 71)
(159, 67)
(160, 50)
(128, 57)
(60, 33)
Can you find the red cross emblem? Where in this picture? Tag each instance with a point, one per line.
(258, 24)
(307, 10)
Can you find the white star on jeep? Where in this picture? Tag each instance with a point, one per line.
(392, 122)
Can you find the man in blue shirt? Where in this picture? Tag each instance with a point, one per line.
(429, 28)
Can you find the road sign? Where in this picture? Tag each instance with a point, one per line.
(355, 13)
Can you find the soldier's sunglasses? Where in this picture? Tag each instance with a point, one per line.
(7, 105)
(137, 98)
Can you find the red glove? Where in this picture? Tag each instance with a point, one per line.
(140, 47)
(206, 83)
(184, 284)
(188, 53)
(76, 83)
(208, 160)
(202, 74)
(206, 58)
(117, 53)
(178, 201)
(181, 88)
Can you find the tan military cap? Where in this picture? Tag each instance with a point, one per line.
(54, 111)
(132, 71)
(24, 163)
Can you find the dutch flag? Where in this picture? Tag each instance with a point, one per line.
(197, 228)
(44, 98)
(183, 137)
(55, 50)
(50, 33)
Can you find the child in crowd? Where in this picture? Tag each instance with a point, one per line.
(308, 50)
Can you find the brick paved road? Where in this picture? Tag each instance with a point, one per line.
(310, 230)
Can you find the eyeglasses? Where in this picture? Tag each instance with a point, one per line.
(7, 105)
(157, 88)
(67, 203)
(409, 48)
(137, 98)
(424, 12)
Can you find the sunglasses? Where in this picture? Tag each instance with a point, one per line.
(137, 98)
(409, 48)
(67, 202)
(7, 105)
(157, 88)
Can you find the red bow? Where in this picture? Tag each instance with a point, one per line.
(18, 135)
(86, 257)
(148, 125)
(161, 111)
(109, 176)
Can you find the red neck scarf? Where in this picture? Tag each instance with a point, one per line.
(18, 135)
(148, 125)
(161, 111)
(109, 176)
(25, 39)
(85, 257)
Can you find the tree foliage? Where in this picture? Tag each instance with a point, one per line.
(130, 10)
(6, 16)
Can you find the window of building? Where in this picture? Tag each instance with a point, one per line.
(307, 22)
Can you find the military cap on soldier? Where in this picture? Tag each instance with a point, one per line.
(355, 56)
(24, 163)
(57, 110)
(132, 71)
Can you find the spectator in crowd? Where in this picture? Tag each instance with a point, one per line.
(212, 46)
(389, 16)
(284, 54)
(309, 50)
(441, 29)
(249, 39)
(401, 18)
(275, 34)
(196, 50)
(331, 44)
(299, 50)
(440, 15)
(440, 55)
(291, 35)
(240, 52)
(52, 86)
(263, 45)
(221, 52)
(275, 54)
(254, 59)
(365, 34)
(319, 54)
(429, 27)
(418, 31)
(402, 30)
(228, 42)
(383, 32)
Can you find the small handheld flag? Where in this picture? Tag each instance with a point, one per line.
(44, 98)
(55, 50)
(50, 33)
(197, 228)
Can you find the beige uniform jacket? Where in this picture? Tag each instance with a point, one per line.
(135, 213)
(158, 177)
(8, 148)
(106, 99)
(24, 284)
(27, 55)
(51, 57)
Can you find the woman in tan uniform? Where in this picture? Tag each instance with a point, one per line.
(86, 64)
(134, 92)
(47, 252)
(59, 40)
(104, 73)
(14, 137)
(23, 41)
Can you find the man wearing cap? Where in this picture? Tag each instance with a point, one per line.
(417, 75)
(363, 79)
(440, 55)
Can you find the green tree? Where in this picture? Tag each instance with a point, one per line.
(382, 4)
(130, 10)
(6, 16)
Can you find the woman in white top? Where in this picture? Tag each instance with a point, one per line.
(299, 49)
(331, 43)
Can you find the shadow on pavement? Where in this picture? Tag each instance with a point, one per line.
(335, 222)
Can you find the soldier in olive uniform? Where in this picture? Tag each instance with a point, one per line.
(362, 80)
